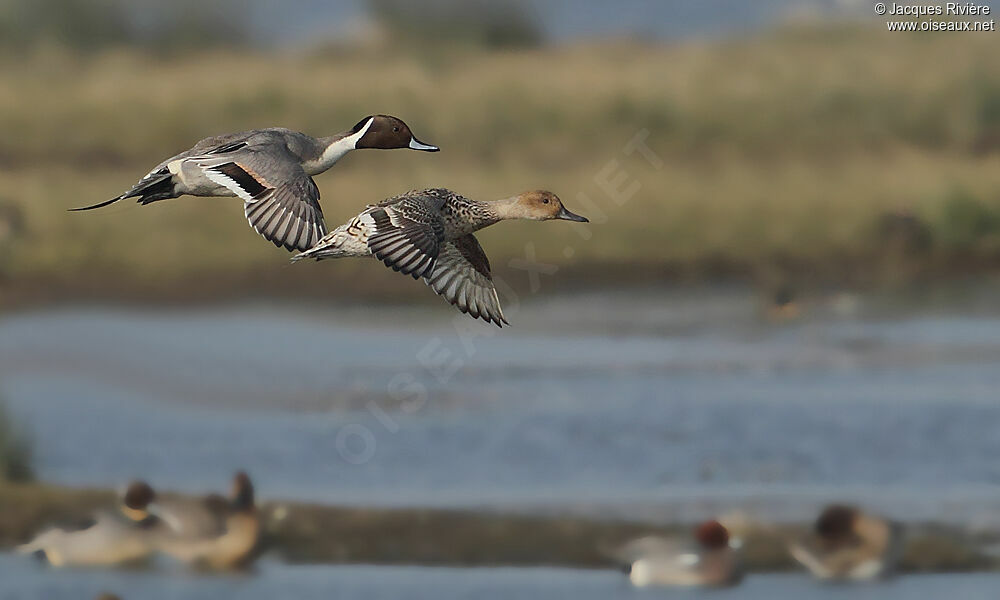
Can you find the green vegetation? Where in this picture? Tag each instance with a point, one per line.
(483, 23)
(967, 225)
(793, 147)
(89, 26)
(15, 450)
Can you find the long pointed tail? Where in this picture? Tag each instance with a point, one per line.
(156, 186)
(98, 205)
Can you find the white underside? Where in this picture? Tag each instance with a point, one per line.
(193, 179)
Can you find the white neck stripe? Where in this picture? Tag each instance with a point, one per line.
(355, 138)
(337, 150)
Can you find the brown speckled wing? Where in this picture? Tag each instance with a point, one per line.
(407, 235)
(463, 278)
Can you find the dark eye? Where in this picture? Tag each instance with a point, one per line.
(545, 200)
(395, 129)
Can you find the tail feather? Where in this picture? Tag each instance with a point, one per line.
(148, 190)
(98, 205)
(34, 550)
(38, 544)
(337, 244)
(315, 252)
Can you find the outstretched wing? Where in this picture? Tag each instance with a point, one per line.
(280, 200)
(407, 235)
(462, 276)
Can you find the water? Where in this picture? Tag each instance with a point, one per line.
(23, 580)
(655, 406)
(309, 20)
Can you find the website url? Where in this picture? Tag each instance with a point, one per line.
(928, 25)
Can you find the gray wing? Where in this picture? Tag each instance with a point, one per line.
(215, 145)
(280, 200)
(407, 234)
(462, 276)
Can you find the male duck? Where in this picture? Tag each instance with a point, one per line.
(713, 560)
(111, 538)
(848, 544)
(271, 171)
(429, 234)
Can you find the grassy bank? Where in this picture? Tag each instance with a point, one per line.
(845, 154)
(309, 533)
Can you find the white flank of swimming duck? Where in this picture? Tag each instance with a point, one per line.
(847, 544)
(113, 538)
(712, 560)
(429, 234)
(271, 171)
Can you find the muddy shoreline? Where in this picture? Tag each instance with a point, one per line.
(322, 534)
(280, 283)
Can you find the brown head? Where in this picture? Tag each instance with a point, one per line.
(540, 205)
(136, 500)
(712, 535)
(386, 132)
(138, 495)
(836, 522)
(241, 495)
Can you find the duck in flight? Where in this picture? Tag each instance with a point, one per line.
(271, 171)
(429, 234)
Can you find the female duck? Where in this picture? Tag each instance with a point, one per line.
(429, 234)
(271, 171)
(216, 533)
(848, 544)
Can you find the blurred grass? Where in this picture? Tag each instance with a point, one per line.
(789, 147)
